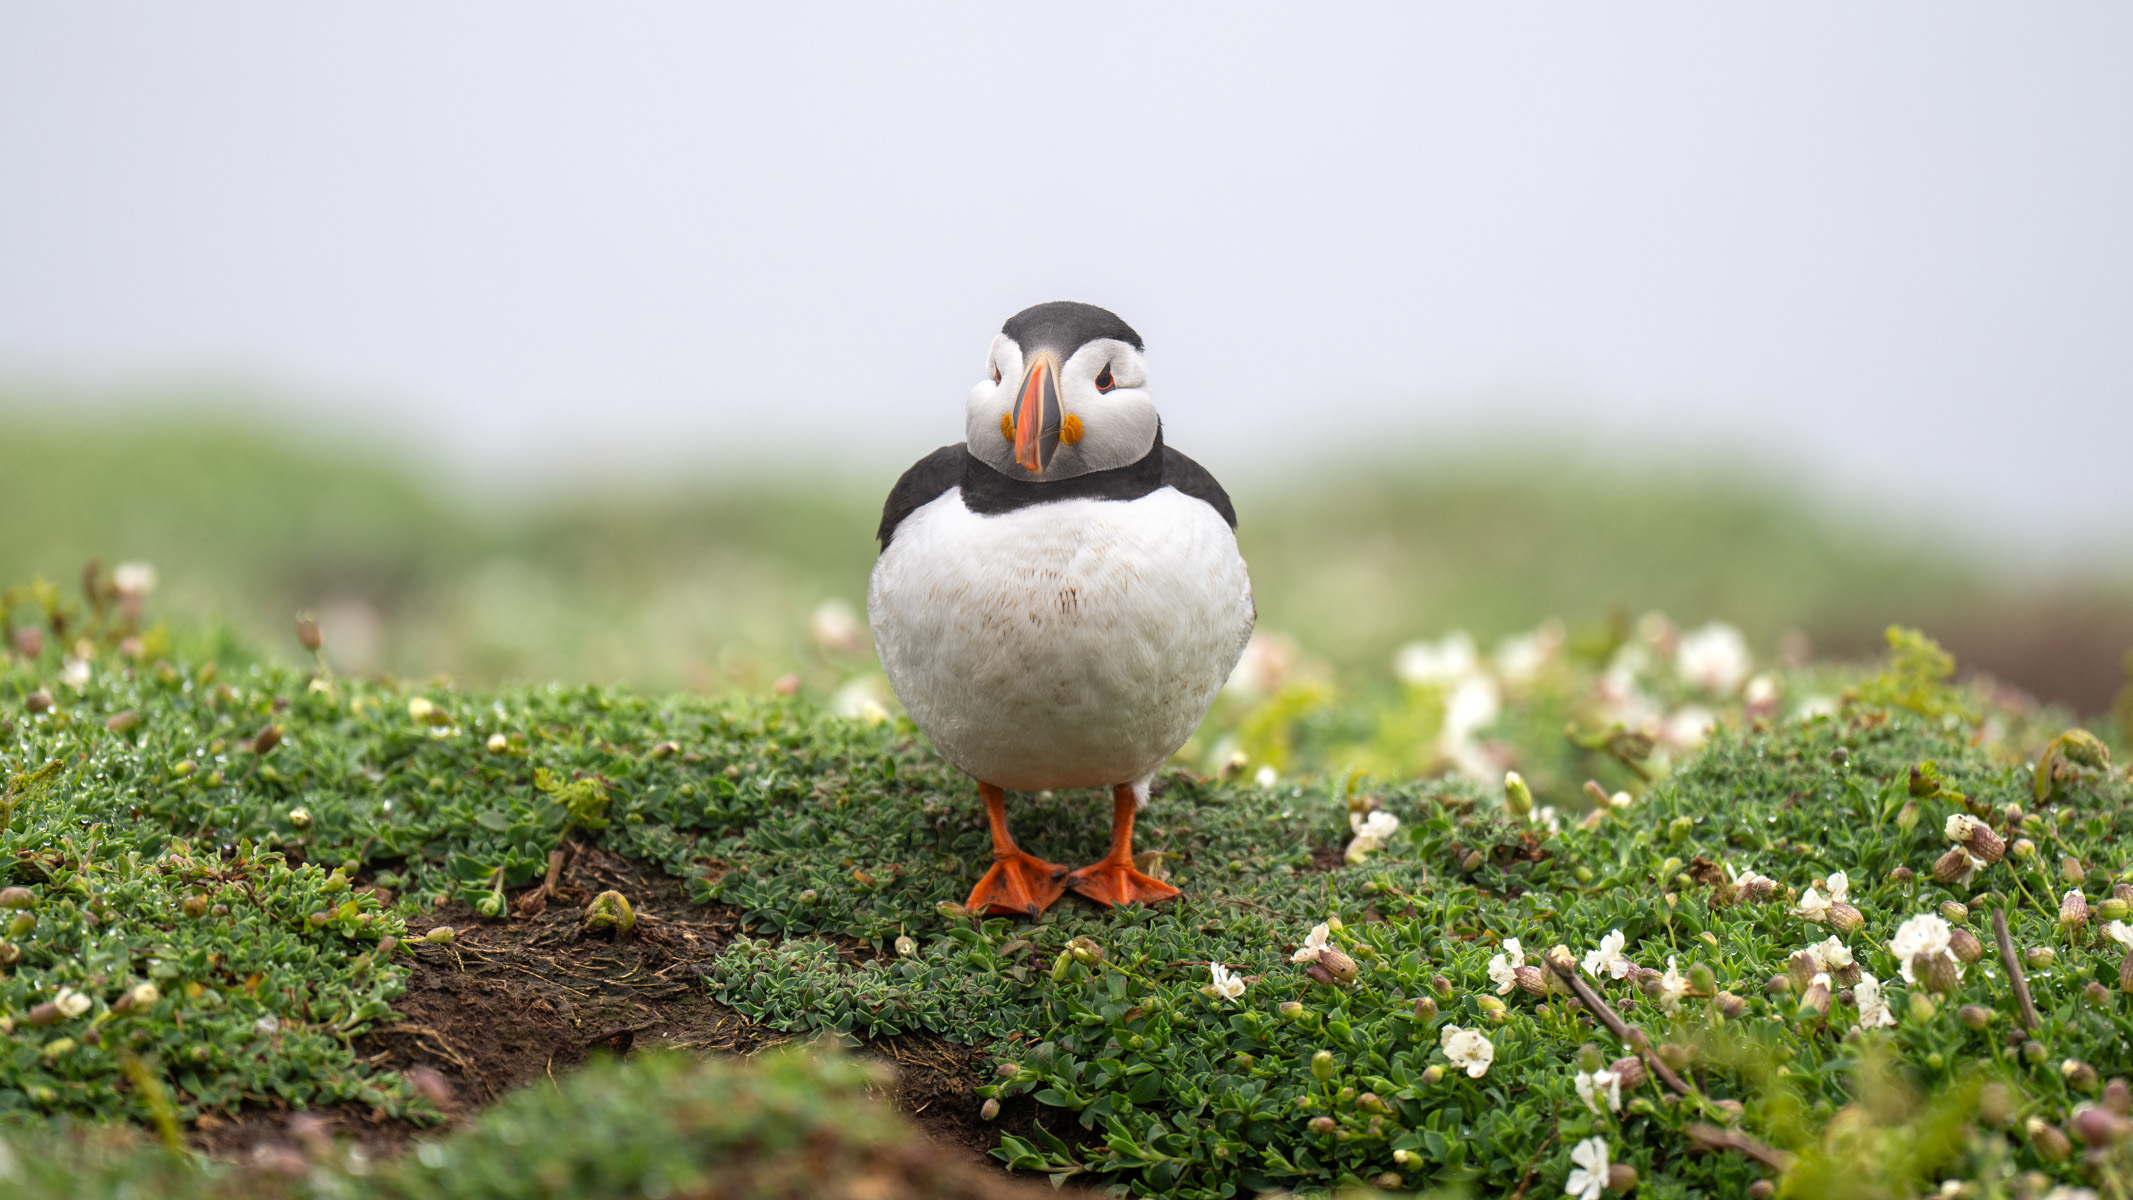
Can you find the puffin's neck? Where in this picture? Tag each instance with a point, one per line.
(987, 491)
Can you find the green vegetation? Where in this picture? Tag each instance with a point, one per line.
(707, 589)
(218, 878)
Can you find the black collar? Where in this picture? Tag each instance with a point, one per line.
(987, 491)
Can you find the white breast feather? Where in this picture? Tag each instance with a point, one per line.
(1072, 644)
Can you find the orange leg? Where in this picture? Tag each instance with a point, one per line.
(1019, 882)
(1114, 881)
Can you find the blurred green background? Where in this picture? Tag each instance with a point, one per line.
(710, 583)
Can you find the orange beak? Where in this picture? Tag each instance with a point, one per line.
(1037, 415)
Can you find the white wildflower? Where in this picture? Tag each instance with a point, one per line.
(1469, 1049)
(861, 699)
(1503, 969)
(834, 627)
(1673, 986)
(1830, 954)
(1226, 985)
(1546, 815)
(1688, 727)
(75, 673)
(71, 1003)
(1265, 777)
(1447, 661)
(1814, 906)
(1371, 833)
(1815, 706)
(1925, 934)
(1589, 1177)
(1264, 666)
(1521, 657)
(133, 579)
(1596, 1086)
(1609, 960)
(1314, 942)
(2120, 932)
(1714, 658)
(1873, 1007)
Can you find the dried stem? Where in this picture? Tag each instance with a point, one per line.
(1711, 1137)
(1567, 970)
(2014, 970)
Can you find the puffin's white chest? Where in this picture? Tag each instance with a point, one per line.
(1072, 644)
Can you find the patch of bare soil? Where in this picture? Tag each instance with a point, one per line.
(512, 1000)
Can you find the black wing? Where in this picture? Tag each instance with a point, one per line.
(924, 483)
(1192, 479)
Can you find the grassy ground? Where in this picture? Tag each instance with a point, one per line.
(232, 872)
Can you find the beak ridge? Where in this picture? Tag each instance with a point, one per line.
(1037, 414)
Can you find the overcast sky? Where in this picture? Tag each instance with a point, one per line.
(1856, 235)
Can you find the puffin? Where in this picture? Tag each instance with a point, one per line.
(1060, 596)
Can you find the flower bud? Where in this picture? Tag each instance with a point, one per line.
(1516, 795)
(440, 935)
(1085, 950)
(1472, 862)
(1907, 816)
(1899, 875)
(2097, 995)
(2073, 910)
(1995, 1104)
(1815, 1000)
(1407, 1158)
(988, 1110)
(122, 722)
(10, 954)
(1531, 980)
(1761, 1189)
(808, 896)
(1977, 837)
(307, 632)
(1322, 1066)
(38, 701)
(498, 743)
(1621, 1177)
(1425, 1009)
(1976, 1016)
(1701, 980)
(2079, 1075)
(2099, 1127)
(266, 739)
(1065, 963)
(46, 1013)
(1369, 1102)
(1778, 985)
(1290, 1010)
(1732, 1007)
(1433, 1075)
(1954, 912)
(2024, 848)
(949, 910)
(1965, 945)
(300, 818)
(1442, 986)
(1952, 866)
(1629, 1070)
(2113, 909)
(905, 947)
(1492, 1007)
(1936, 972)
(610, 911)
(2036, 958)
(2122, 891)
(1339, 967)
(17, 898)
(2118, 1098)
(1323, 1126)
(1801, 970)
(1844, 918)
(2045, 1138)
(2125, 973)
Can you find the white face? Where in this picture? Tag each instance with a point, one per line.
(1100, 415)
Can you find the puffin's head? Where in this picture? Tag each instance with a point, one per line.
(1065, 393)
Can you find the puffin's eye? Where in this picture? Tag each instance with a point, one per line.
(996, 374)
(1104, 382)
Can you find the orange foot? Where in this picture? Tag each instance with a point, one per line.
(1019, 883)
(1112, 882)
